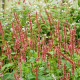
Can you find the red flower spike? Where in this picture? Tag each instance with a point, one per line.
(44, 51)
(1, 32)
(65, 38)
(30, 22)
(48, 17)
(64, 71)
(73, 68)
(68, 76)
(42, 19)
(23, 1)
(14, 76)
(36, 73)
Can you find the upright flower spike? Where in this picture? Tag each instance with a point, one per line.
(15, 77)
(50, 41)
(54, 28)
(51, 18)
(58, 34)
(39, 43)
(13, 29)
(17, 19)
(30, 22)
(65, 38)
(0, 65)
(78, 42)
(8, 51)
(73, 68)
(18, 28)
(23, 57)
(36, 73)
(37, 22)
(59, 59)
(50, 44)
(39, 48)
(68, 76)
(64, 71)
(22, 37)
(42, 19)
(59, 62)
(72, 41)
(1, 32)
(44, 51)
(18, 43)
(48, 17)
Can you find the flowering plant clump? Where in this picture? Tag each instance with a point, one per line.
(35, 47)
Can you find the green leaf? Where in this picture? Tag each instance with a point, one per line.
(6, 66)
(79, 3)
(31, 76)
(8, 76)
(13, 53)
